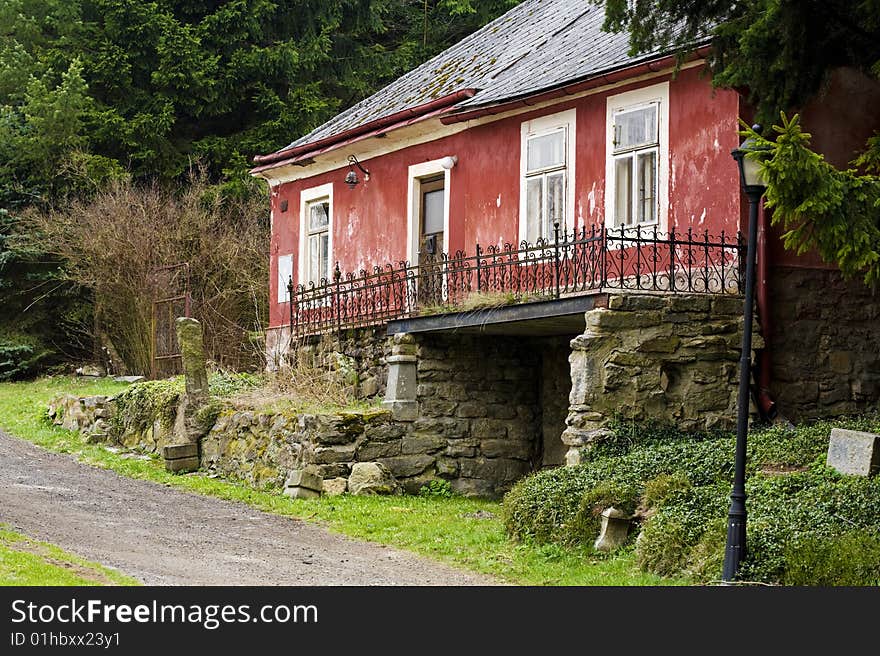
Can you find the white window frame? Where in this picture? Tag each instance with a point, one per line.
(655, 94)
(535, 128)
(307, 196)
(416, 173)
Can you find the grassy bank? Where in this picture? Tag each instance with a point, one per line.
(463, 532)
(24, 561)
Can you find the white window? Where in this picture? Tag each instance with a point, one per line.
(318, 240)
(316, 234)
(547, 167)
(638, 147)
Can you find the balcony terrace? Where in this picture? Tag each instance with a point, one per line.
(540, 289)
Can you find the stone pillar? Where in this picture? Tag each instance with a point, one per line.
(192, 348)
(195, 371)
(671, 358)
(400, 393)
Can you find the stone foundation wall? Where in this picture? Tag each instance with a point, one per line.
(824, 343)
(479, 409)
(672, 358)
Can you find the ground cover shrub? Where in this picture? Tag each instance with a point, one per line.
(849, 559)
(554, 505)
(808, 525)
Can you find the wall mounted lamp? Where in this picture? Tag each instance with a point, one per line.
(351, 178)
(449, 161)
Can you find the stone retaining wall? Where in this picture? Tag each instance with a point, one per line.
(824, 343)
(89, 415)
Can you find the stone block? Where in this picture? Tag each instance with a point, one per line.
(336, 470)
(422, 443)
(333, 487)
(493, 469)
(373, 450)
(371, 478)
(504, 411)
(506, 449)
(447, 467)
(465, 448)
(402, 410)
(181, 457)
(304, 478)
(451, 428)
(325, 455)
(854, 452)
(384, 432)
(660, 344)
(840, 362)
(405, 466)
(473, 487)
(489, 429)
(301, 493)
(369, 387)
(174, 451)
(610, 320)
(471, 409)
(688, 303)
(635, 302)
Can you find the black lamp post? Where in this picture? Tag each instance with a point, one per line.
(753, 186)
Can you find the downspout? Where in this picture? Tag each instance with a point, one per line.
(766, 404)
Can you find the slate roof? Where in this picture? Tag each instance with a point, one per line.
(537, 45)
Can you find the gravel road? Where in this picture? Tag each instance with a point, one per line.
(163, 536)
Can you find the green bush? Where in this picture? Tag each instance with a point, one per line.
(226, 383)
(677, 538)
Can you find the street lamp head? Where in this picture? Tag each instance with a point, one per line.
(750, 174)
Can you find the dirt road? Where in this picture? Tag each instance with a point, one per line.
(166, 537)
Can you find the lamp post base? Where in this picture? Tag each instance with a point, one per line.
(735, 551)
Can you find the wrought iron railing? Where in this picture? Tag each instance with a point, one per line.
(572, 263)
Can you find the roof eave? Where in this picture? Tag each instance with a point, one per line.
(610, 76)
(382, 124)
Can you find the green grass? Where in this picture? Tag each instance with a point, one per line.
(444, 529)
(24, 561)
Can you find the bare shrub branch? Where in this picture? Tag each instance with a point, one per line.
(111, 242)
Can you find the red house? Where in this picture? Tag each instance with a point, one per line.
(538, 167)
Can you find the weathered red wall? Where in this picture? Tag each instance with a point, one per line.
(369, 221)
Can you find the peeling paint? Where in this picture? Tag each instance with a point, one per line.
(498, 201)
(703, 217)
